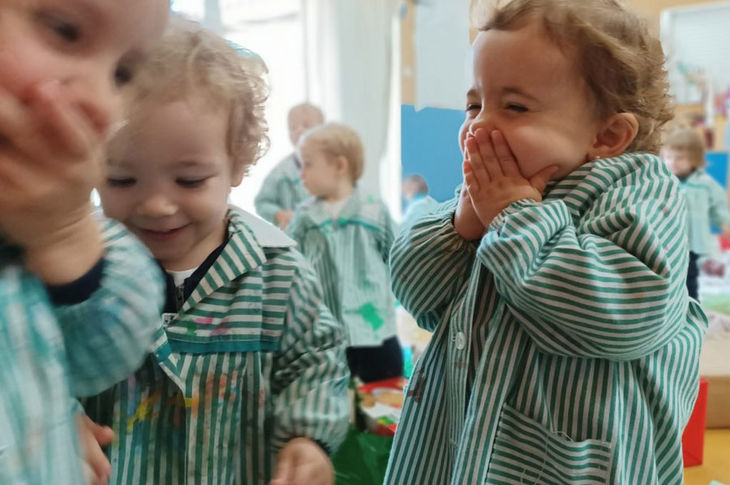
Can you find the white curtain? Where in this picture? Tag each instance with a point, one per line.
(349, 47)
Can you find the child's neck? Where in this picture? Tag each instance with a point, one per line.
(343, 191)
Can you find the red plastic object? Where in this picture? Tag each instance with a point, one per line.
(724, 243)
(393, 383)
(693, 439)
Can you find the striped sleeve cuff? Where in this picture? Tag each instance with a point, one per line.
(80, 290)
(514, 207)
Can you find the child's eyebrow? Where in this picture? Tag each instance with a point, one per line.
(113, 162)
(193, 164)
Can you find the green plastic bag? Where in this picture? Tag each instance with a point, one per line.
(362, 458)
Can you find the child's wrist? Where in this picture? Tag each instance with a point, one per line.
(498, 220)
(66, 255)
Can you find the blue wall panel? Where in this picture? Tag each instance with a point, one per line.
(430, 148)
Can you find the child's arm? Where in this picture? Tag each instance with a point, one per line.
(310, 375)
(50, 155)
(612, 288)
(719, 212)
(430, 263)
(295, 229)
(388, 234)
(108, 325)
(610, 285)
(267, 200)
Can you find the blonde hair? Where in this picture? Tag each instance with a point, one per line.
(192, 61)
(689, 141)
(620, 61)
(308, 108)
(338, 140)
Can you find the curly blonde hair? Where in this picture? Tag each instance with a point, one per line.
(192, 61)
(335, 140)
(620, 61)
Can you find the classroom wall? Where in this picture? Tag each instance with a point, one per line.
(429, 145)
(429, 134)
(651, 9)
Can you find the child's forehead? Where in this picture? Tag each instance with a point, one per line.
(526, 55)
(136, 24)
(310, 145)
(303, 114)
(676, 149)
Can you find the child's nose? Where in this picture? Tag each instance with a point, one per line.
(486, 120)
(157, 205)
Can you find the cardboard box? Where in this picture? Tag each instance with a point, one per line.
(693, 439)
(715, 368)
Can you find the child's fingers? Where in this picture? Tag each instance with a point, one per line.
(13, 119)
(471, 183)
(67, 129)
(540, 180)
(103, 434)
(94, 457)
(476, 162)
(313, 474)
(473, 189)
(284, 473)
(14, 171)
(504, 155)
(90, 477)
(486, 151)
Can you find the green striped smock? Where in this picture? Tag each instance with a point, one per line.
(706, 205)
(252, 360)
(50, 353)
(281, 190)
(565, 347)
(350, 254)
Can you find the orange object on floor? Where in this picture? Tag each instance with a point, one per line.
(693, 439)
(714, 466)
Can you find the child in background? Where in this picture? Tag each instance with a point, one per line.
(282, 189)
(565, 346)
(76, 306)
(346, 235)
(684, 153)
(418, 202)
(248, 370)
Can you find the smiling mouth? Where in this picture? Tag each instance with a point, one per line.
(165, 234)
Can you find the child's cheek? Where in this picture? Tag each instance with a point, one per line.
(16, 75)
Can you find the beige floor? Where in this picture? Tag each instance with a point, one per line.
(716, 465)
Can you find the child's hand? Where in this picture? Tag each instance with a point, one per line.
(282, 218)
(494, 180)
(466, 221)
(303, 462)
(92, 437)
(50, 153)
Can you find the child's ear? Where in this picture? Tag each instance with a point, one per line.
(615, 136)
(341, 163)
